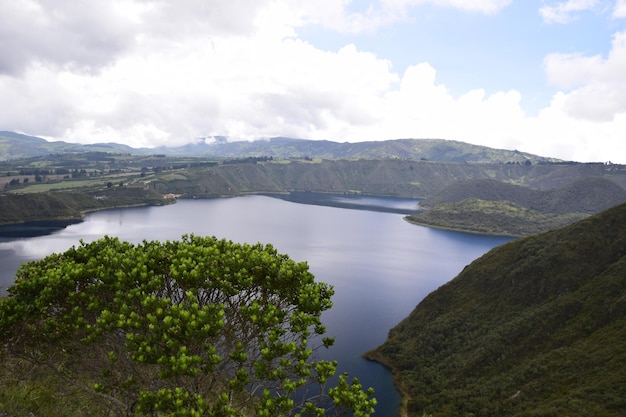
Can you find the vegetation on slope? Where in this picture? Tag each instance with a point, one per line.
(584, 195)
(401, 178)
(440, 150)
(15, 145)
(536, 327)
(548, 196)
(501, 218)
(19, 208)
(495, 207)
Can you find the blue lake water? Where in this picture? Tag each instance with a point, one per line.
(380, 265)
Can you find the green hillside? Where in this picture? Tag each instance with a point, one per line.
(496, 207)
(402, 178)
(471, 193)
(14, 145)
(419, 149)
(584, 195)
(19, 208)
(501, 218)
(536, 327)
(514, 199)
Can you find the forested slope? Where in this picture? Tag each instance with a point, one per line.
(536, 327)
(19, 208)
(496, 207)
(497, 198)
(582, 195)
(405, 178)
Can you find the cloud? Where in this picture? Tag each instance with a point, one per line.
(243, 87)
(563, 12)
(620, 9)
(598, 84)
(560, 134)
(420, 107)
(480, 6)
(64, 33)
(345, 16)
(193, 18)
(164, 75)
(88, 36)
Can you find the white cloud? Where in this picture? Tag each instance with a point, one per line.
(39, 102)
(166, 75)
(560, 134)
(422, 108)
(193, 18)
(620, 9)
(80, 35)
(481, 6)
(239, 86)
(337, 16)
(340, 16)
(563, 12)
(91, 35)
(598, 84)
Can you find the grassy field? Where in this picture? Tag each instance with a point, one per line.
(62, 185)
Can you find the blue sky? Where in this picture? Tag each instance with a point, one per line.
(545, 77)
(497, 52)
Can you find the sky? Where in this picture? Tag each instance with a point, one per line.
(546, 77)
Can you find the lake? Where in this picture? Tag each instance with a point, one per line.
(380, 265)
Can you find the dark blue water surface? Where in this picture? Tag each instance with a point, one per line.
(380, 265)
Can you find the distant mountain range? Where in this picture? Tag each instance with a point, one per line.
(466, 187)
(16, 146)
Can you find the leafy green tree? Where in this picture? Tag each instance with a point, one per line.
(196, 327)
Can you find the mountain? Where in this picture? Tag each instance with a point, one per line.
(496, 207)
(15, 145)
(535, 327)
(423, 149)
(464, 189)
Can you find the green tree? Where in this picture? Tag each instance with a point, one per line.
(196, 327)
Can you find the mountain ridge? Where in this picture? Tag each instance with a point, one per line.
(464, 189)
(15, 145)
(535, 327)
(496, 207)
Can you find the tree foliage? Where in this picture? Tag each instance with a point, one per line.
(196, 327)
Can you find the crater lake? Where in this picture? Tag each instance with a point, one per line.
(380, 265)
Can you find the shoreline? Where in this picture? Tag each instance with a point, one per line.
(453, 229)
(80, 217)
(375, 356)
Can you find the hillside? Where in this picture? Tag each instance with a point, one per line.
(14, 146)
(20, 208)
(584, 195)
(533, 198)
(495, 207)
(536, 327)
(439, 150)
(462, 188)
(401, 178)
